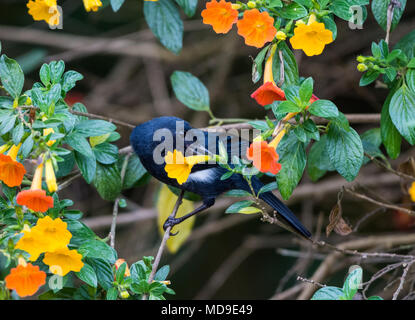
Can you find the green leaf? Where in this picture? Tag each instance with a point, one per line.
(268, 187)
(134, 172)
(163, 18)
(291, 76)
(140, 287)
(162, 273)
(190, 91)
(237, 193)
(371, 141)
(328, 293)
(286, 107)
(342, 8)
(237, 206)
(112, 294)
(345, 150)
(106, 153)
(87, 165)
(98, 250)
(107, 181)
(274, 3)
(44, 74)
(306, 89)
(391, 137)
(352, 283)
(318, 159)
(188, 6)
(407, 44)
(69, 80)
(380, 9)
(56, 71)
(402, 113)
(330, 25)
(311, 130)
(324, 108)
(375, 298)
(27, 146)
(80, 144)
(249, 210)
(293, 160)
(88, 275)
(11, 76)
(257, 65)
(300, 133)
(293, 11)
(92, 128)
(17, 133)
(410, 79)
(103, 270)
(116, 4)
(368, 77)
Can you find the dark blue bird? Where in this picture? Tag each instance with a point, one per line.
(204, 179)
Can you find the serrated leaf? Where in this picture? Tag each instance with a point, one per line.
(324, 108)
(11, 75)
(238, 206)
(327, 293)
(107, 181)
(345, 151)
(402, 113)
(163, 18)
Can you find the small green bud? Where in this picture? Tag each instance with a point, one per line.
(362, 67)
(361, 59)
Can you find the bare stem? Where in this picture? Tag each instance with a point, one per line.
(117, 201)
(166, 236)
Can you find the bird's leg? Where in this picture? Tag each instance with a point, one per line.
(171, 222)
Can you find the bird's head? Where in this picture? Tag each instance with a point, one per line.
(147, 135)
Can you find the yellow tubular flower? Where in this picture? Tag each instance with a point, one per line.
(32, 242)
(274, 143)
(44, 10)
(312, 37)
(50, 176)
(63, 261)
(179, 167)
(92, 5)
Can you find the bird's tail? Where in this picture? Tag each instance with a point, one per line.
(285, 212)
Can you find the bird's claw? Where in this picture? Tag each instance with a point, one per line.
(171, 222)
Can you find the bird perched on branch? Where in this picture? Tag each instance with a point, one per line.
(153, 140)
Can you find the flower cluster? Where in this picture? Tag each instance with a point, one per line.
(256, 27)
(48, 11)
(259, 27)
(52, 238)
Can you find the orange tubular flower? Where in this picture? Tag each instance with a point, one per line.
(35, 198)
(264, 157)
(11, 171)
(269, 91)
(25, 279)
(257, 28)
(220, 15)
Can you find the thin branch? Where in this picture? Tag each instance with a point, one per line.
(166, 236)
(311, 281)
(404, 274)
(117, 201)
(384, 166)
(381, 204)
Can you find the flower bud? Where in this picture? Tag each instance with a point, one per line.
(362, 67)
(124, 294)
(50, 176)
(360, 59)
(236, 6)
(281, 35)
(298, 22)
(251, 4)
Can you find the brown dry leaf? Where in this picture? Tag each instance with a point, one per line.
(336, 221)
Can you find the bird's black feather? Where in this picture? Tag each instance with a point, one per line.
(204, 178)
